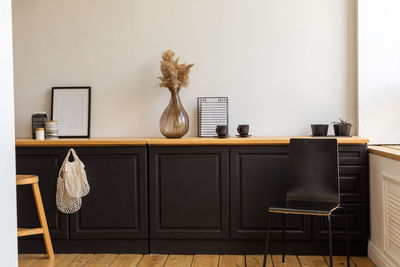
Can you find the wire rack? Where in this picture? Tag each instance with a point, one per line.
(211, 111)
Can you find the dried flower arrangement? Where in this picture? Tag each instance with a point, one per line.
(174, 75)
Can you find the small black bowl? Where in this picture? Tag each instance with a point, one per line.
(319, 129)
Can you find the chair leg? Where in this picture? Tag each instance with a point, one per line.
(283, 237)
(266, 242)
(43, 221)
(347, 236)
(330, 241)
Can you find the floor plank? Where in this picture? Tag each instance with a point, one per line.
(153, 260)
(312, 261)
(179, 261)
(127, 260)
(138, 260)
(362, 262)
(100, 260)
(290, 261)
(257, 261)
(205, 261)
(81, 260)
(58, 260)
(339, 261)
(232, 261)
(25, 260)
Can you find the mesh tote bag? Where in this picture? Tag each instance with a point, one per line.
(72, 184)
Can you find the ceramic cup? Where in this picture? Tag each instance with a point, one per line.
(243, 129)
(222, 130)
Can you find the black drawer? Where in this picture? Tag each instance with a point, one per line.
(353, 155)
(357, 223)
(354, 184)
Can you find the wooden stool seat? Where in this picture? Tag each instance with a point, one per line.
(44, 229)
(27, 179)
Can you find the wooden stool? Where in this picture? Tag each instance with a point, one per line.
(34, 180)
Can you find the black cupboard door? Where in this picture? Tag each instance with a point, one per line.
(354, 184)
(189, 192)
(116, 206)
(44, 162)
(258, 180)
(353, 155)
(358, 223)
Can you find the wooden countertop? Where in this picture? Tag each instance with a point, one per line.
(253, 140)
(391, 152)
(80, 142)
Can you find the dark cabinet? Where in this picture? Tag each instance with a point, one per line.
(189, 192)
(357, 223)
(116, 207)
(186, 199)
(354, 184)
(44, 162)
(114, 213)
(353, 155)
(258, 180)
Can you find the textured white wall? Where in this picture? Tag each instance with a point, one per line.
(8, 221)
(283, 63)
(379, 70)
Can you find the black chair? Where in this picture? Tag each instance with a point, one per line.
(314, 187)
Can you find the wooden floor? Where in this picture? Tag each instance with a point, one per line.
(157, 260)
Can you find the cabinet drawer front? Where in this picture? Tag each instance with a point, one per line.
(44, 162)
(358, 223)
(353, 155)
(116, 206)
(354, 184)
(258, 181)
(189, 192)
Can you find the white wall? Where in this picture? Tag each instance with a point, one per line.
(8, 221)
(284, 64)
(379, 70)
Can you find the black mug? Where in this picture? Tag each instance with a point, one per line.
(222, 130)
(243, 129)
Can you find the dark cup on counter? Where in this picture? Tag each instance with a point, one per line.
(243, 129)
(319, 129)
(222, 130)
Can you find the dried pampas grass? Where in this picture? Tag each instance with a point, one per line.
(174, 75)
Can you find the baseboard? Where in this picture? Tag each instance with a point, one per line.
(376, 255)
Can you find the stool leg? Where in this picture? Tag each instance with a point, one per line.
(43, 221)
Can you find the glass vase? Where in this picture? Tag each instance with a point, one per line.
(174, 122)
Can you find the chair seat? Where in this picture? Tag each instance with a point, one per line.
(305, 208)
(23, 179)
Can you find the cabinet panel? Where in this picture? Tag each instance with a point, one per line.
(354, 183)
(258, 180)
(116, 207)
(357, 222)
(189, 196)
(353, 155)
(44, 162)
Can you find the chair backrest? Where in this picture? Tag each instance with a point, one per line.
(313, 170)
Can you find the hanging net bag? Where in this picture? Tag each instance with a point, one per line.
(72, 184)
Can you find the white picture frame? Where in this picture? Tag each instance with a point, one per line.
(70, 106)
